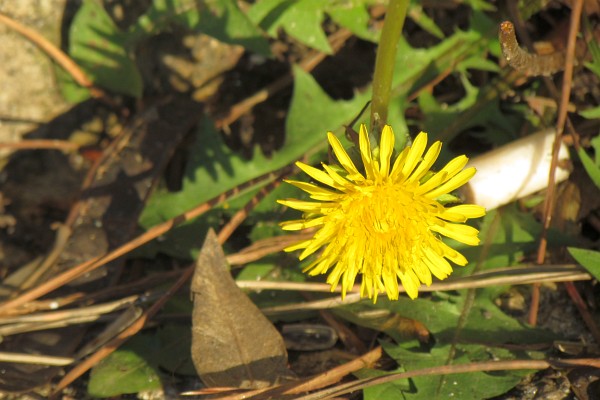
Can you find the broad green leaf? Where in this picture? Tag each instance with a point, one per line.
(301, 19)
(313, 113)
(269, 269)
(162, 14)
(471, 386)
(98, 47)
(127, 370)
(221, 19)
(392, 390)
(591, 113)
(354, 17)
(213, 168)
(507, 235)
(440, 312)
(174, 351)
(224, 21)
(485, 331)
(589, 259)
(255, 272)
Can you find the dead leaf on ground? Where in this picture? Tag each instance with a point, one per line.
(233, 343)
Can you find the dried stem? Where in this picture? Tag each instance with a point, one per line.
(560, 125)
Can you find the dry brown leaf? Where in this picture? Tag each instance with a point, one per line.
(233, 343)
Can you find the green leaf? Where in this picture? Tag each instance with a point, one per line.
(425, 64)
(507, 235)
(589, 259)
(392, 390)
(313, 110)
(174, 351)
(592, 167)
(440, 314)
(98, 47)
(594, 49)
(126, 370)
(221, 19)
(224, 21)
(415, 12)
(485, 331)
(354, 17)
(300, 19)
(481, 5)
(213, 168)
(162, 14)
(591, 113)
(474, 385)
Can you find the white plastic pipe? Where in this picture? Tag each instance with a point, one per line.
(515, 170)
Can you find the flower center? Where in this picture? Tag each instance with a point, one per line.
(386, 219)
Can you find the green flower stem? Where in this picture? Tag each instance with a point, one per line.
(384, 63)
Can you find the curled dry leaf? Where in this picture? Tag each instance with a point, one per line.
(233, 343)
(521, 60)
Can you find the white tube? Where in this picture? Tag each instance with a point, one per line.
(515, 170)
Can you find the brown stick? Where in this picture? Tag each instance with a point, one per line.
(560, 126)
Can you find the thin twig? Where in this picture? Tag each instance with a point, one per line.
(549, 199)
(242, 214)
(51, 316)
(492, 278)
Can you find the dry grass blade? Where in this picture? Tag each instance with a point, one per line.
(118, 340)
(264, 247)
(40, 359)
(498, 277)
(13, 325)
(38, 144)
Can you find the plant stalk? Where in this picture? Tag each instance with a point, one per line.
(385, 62)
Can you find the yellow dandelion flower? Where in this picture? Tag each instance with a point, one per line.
(385, 221)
